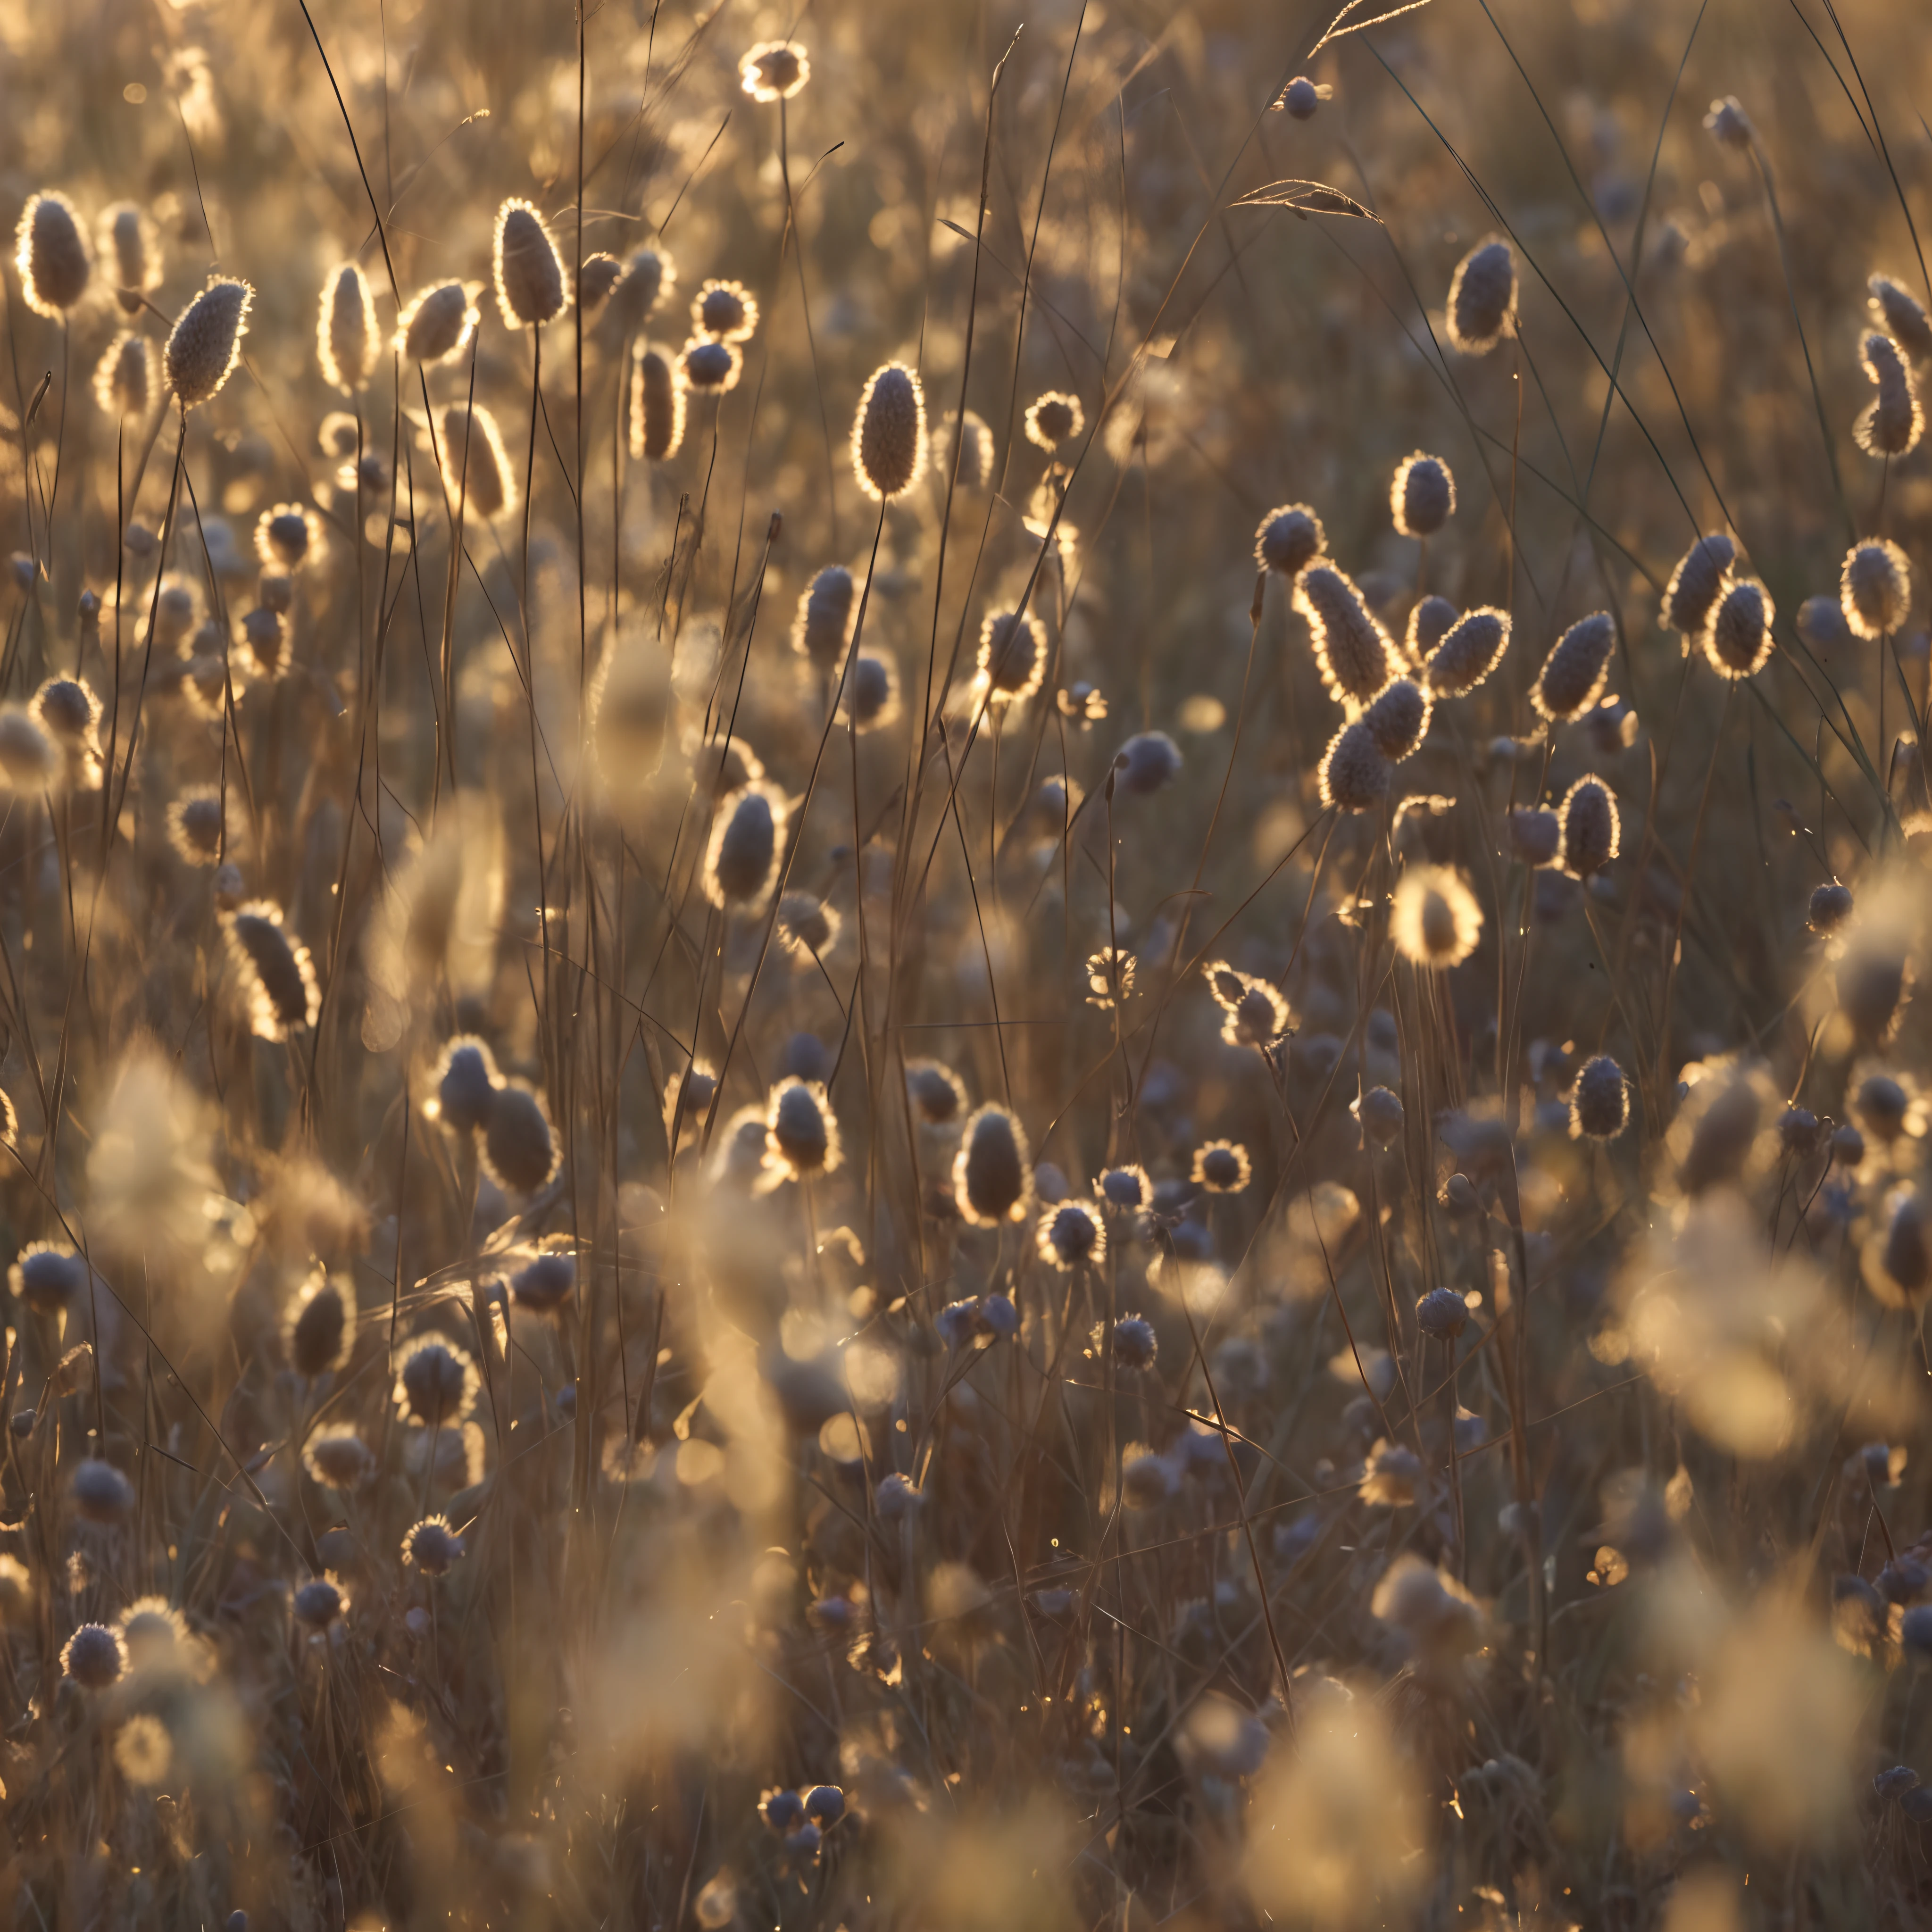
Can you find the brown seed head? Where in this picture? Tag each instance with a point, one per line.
(888, 434)
(1592, 827)
(52, 255)
(530, 285)
(1875, 588)
(1354, 654)
(346, 337)
(657, 407)
(1353, 775)
(439, 321)
(1482, 298)
(1737, 639)
(1289, 539)
(206, 343)
(1422, 498)
(1572, 677)
(1469, 653)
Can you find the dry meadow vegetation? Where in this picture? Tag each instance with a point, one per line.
(958, 970)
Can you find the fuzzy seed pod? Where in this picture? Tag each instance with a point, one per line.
(746, 839)
(709, 367)
(657, 407)
(937, 1094)
(1380, 1113)
(1830, 906)
(1891, 424)
(725, 311)
(1012, 656)
(1354, 654)
(346, 337)
(806, 927)
(519, 1145)
(286, 534)
(1435, 920)
(1430, 622)
(543, 1285)
(823, 627)
(1146, 763)
(649, 275)
(1221, 1167)
(1871, 985)
(1875, 589)
(94, 1656)
(52, 255)
(321, 1327)
(1422, 498)
(1398, 719)
(774, 70)
(318, 1604)
(1071, 1235)
(194, 825)
(1821, 623)
(1592, 827)
(1289, 539)
(1573, 676)
(1133, 1343)
(1053, 418)
(1353, 775)
(888, 434)
(1728, 123)
(476, 463)
(1899, 314)
(530, 285)
(975, 448)
(47, 1278)
(436, 1382)
(1737, 639)
(439, 321)
(1883, 1105)
(1482, 298)
(992, 1173)
(1696, 584)
(66, 709)
(599, 275)
(274, 969)
(432, 1547)
(1300, 97)
(206, 343)
(1442, 1314)
(1257, 1015)
(801, 1133)
(123, 379)
(128, 239)
(1469, 656)
(1600, 1101)
(466, 1081)
(101, 1493)
(873, 696)
(1125, 1190)
(1535, 835)
(1904, 1274)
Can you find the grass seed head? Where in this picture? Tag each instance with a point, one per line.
(1071, 1235)
(1434, 921)
(519, 1147)
(657, 406)
(823, 627)
(346, 339)
(1600, 1101)
(1354, 654)
(275, 970)
(94, 1656)
(1012, 656)
(476, 464)
(1053, 418)
(1397, 718)
(1891, 424)
(206, 343)
(1591, 825)
(775, 69)
(129, 242)
(1353, 775)
(1875, 587)
(725, 311)
(1696, 584)
(438, 321)
(1901, 316)
(1482, 298)
(1738, 641)
(1469, 653)
(124, 378)
(531, 288)
(1147, 763)
(1288, 539)
(747, 839)
(888, 434)
(1422, 498)
(992, 1175)
(1429, 623)
(710, 367)
(51, 254)
(1573, 676)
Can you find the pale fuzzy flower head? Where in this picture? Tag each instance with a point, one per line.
(206, 344)
(1429, 623)
(531, 287)
(432, 1547)
(1013, 657)
(287, 535)
(600, 273)
(937, 1094)
(973, 442)
(801, 1133)
(30, 760)
(519, 1145)
(1356, 657)
(649, 275)
(807, 926)
(336, 1457)
(725, 311)
(319, 1330)
(889, 441)
(1482, 298)
(1053, 418)
(1573, 676)
(1071, 1235)
(1353, 775)
(1697, 584)
(1591, 827)
(129, 242)
(1422, 496)
(436, 1382)
(1222, 1167)
(1257, 1015)
(992, 1173)
(1737, 640)
(709, 367)
(476, 463)
(437, 323)
(94, 1656)
(123, 379)
(657, 393)
(1397, 718)
(1435, 920)
(775, 69)
(347, 339)
(872, 698)
(276, 974)
(1891, 424)
(741, 865)
(51, 254)
(1901, 315)
(1469, 653)
(1390, 1476)
(1600, 1101)
(1288, 539)
(1875, 587)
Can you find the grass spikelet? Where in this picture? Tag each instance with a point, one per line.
(1600, 1101)
(709, 367)
(346, 338)
(319, 1328)
(747, 843)
(1737, 640)
(531, 287)
(485, 483)
(657, 406)
(1435, 919)
(801, 1133)
(1071, 1235)
(1354, 654)
(1053, 418)
(1288, 539)
(437, 323)
(725, 312)
(1469, 653)
(889, 443)
(1900, 314)
(1482, 298)
(1422, 497)
(131, 244)
(1573, 676)
(873, 698)
(1430, 622)
(1891, 424)
(1353, 776)
(1696, 584)
(520, 1146)
(1875, 588)
(1147, 763)
(1592, 827)
(823, 626)
(1013, 657)
(1397, 718)
(774, 70)
(124, 378)
(992, 1173)
(206, 343)
(52, 255)
(276, 974)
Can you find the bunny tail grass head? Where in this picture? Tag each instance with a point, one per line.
(531, 287)
(657, 407)
(51, 254)
(438, 321)
(1354, 654)
(206, 343)
(346, 340)
(888, 434)
(1482, 298)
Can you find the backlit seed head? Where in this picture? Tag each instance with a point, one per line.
(775, 69)
(747, 838)
(274, 969)
(1737, 639)
(1221, 1167)
(1821, 623)
(1696, 584)
(320, 1328)
(432, 1547)
(1012, 656)
(1147, 763)
(345, 337)
(123, 379)
(531, 288)
(599, 276)
(1289, 539)
(806, 926)
(1902, 317)
(726, 311)
(1872, 980)
(1535, 835)
(94, 1656)
(1830, 906)
(1883, 1105)
(710, 367)
(801, 1133)
(1592, 827)
(1442, 1314)
(1875, 588)
(436, 1381)
(1435, 919)
(67, 710)
(463, 1085)
(52, 255)
(1071, 1235)
(101, 1493)
(1380, 1112)
(1898, 1268)
(937, 1094)
(1600, 1101)
(657, 406)
(519, 1147)
(1133, 1343)
(1301, 97)
(1891, 424)
(1124, 1189)
(1397, 718)
(1257, 1015)
(319, 1603)
(975, 451)
(649, 275)
(266, 637)
(1354, 654)
(544, 1284)
(206, 343)
(437, 324)
(337, 1457)
(1482, 298)
(1353, 775)
(823, 627)
(1429, 623)
(130, 245)
(1422, 498)
(287, 535)
(46, 1278)
(475, 464)
(888, 434)
(1470, 652)
(992, 1173)
(873, 697)
(688, 1095)
(1728, 122)
(1053, 418)
(1573, 676)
